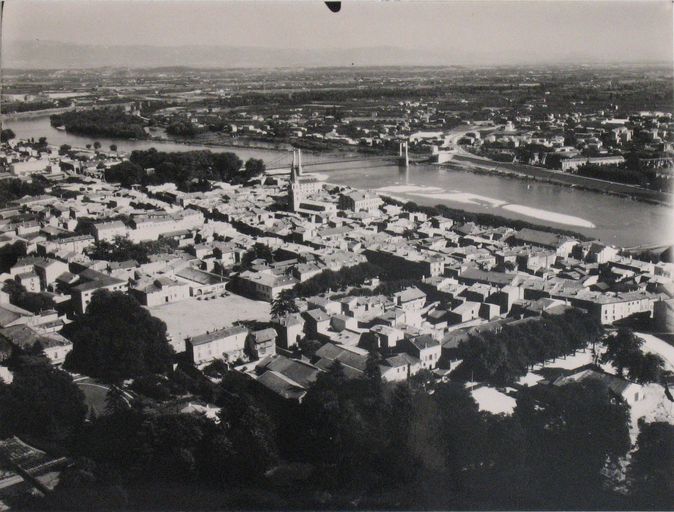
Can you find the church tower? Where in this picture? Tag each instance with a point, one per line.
(294, 192)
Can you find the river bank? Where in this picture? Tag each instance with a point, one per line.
(537, 174)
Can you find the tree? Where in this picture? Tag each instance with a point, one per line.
(115, 400)
(33, 302)
(117, 339)
(97, 145)
(568, 424)
(254, 167)
(126, 174)
(647, 368)
(652, 468)
(10, 254)
(64, 148)
(42, 401)
(6, 135)
(88, 146)
(87, 486)
(284, 304)
(623, 351)
(113, 147)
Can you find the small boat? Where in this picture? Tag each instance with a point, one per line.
(61, 128)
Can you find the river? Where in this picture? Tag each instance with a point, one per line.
(612, 219)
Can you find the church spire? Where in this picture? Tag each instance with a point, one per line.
(293, 174)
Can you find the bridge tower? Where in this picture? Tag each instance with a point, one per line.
(403, 155)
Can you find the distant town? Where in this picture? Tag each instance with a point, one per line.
(209, 331)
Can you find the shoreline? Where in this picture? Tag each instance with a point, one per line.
(507, 173)
(401, 201)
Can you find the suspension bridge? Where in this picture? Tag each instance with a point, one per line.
(281, 165)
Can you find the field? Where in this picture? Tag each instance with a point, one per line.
(192, 317)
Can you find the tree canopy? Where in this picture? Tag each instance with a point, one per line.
(42, 401)
(623, 351)
(117, 339)
(105, 122)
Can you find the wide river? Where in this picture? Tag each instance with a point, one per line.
(612, 219)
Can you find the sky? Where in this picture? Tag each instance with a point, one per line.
(509, 31)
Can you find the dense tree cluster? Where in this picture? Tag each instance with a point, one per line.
(6, 134)
(28, 106)
(651, 471)
(646, 178)
(502, 357)
(187, 169)
(33, 302)
(41, 402)
(107, 122)
(13, 189)
(337, 280)
(183, 128)
(10, 254)
(117, 339)
(359, 442)
(623, 351)
(123, 249)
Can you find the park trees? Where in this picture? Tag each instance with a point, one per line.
(623, 351)
(502, 357)
(6, 135)
(43, 402)
(125, 173)
(33, 302)
(117, 339)
(566, 425)
(652, 468)
(254, 167)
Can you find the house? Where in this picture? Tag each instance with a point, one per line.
(29, 280)
(331, 307)
(262, 343)
(201, 283)
(425, 349)
(54, 346)
(290, 329)
(317, 322)
(359, 200)
(465, 312)
(399, 367)
(13, 315)
(628, 391)
(387, 337)
(288, 378)
(410, 299)
(352, 359)
(162, 290)
(227, 344)
(265, 285)
(89, 282)
(47, 269)
(109, 230)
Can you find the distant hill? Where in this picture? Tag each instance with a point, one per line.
(57, 55)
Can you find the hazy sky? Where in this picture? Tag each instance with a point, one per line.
(611, 30)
